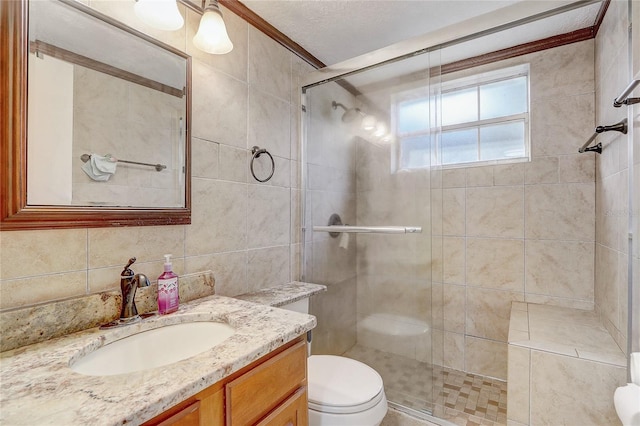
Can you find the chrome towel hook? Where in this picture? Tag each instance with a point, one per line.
(257, 152)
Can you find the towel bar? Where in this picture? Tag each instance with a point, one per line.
(618, 127)
(370, 229)
(158, 167)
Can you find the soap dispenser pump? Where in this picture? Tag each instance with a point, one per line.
(168, 291)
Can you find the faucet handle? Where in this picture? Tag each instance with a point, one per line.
(126, 271)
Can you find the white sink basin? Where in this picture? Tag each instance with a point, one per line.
(153, 348)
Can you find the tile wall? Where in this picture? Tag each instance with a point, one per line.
(394, 276)
(612, 174)
(245, 232)
(519, 232)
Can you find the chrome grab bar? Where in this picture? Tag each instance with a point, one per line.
(624, 98)
(370, 229)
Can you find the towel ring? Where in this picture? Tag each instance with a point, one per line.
(257, 152)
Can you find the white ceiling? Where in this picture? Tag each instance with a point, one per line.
(565, 22)
(334, 31)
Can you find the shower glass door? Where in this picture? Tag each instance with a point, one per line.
(367, 162)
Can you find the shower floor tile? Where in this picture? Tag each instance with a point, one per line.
(463, 398)
(469, 399)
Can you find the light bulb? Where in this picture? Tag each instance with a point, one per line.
(368, 122)
(159, 14)
(212, 34)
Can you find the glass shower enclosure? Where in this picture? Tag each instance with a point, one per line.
(368, 222)
(381, 135)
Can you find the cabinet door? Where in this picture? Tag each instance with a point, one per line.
(204, 409)
(188, 416)
(256, 393)
(292, 412)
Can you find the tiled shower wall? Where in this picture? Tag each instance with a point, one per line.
(519, 232)
(612, 174)
(245, 232)
(394, 274)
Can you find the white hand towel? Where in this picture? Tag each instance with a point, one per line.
(106, 164)
(100, 168)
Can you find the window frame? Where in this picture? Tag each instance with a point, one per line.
(433, 133)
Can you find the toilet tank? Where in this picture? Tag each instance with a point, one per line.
(301, 306)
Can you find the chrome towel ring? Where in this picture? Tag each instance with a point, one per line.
(257, 152)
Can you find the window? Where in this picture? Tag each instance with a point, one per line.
(483, 119)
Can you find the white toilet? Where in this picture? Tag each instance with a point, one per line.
(342, 391)
(627, 398)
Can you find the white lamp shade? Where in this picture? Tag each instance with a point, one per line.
(212, 34)
(159, 14)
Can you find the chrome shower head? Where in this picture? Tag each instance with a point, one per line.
(350, 114)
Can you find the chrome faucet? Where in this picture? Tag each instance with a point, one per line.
(129, 283)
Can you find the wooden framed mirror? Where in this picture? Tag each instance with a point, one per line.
(96, 121)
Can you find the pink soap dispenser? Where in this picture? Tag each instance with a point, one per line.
(168, 294)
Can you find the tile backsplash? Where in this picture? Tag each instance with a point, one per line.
(33, 324)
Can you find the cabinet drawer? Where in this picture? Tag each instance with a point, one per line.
(188, 416)
(203, 409)
(293, 412)
(254, 394)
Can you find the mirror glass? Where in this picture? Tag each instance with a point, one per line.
(107, 121)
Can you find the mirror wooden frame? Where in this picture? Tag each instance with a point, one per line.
(15, 213)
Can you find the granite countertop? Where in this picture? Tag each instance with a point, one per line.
(38, 387)
(283, 294)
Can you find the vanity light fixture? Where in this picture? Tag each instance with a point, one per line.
(159, 14)
(212, 34)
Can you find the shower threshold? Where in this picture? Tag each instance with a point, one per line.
(425, 414)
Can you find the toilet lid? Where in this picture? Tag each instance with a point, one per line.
(341, 383)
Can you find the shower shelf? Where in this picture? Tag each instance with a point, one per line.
(370, 229)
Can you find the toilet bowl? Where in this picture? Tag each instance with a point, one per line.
(626, 399)
(342, 391)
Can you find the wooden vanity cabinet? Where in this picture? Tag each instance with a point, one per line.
(271, 391)
(293, 412)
